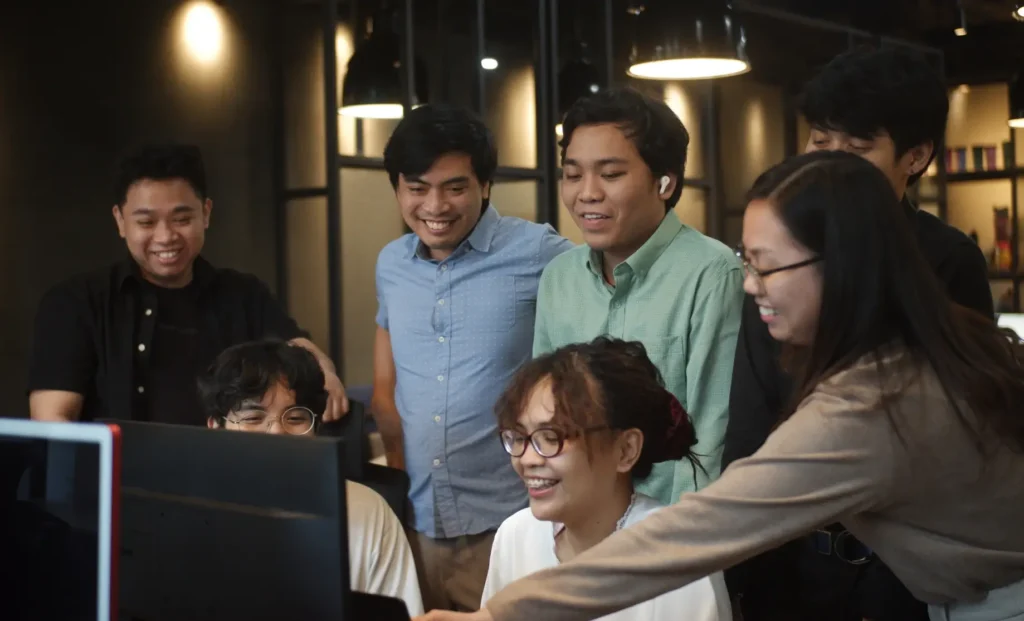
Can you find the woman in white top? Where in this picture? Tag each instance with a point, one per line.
(581, 424)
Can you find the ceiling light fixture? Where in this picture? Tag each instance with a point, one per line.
(1018, 11)
(490, 64)
(1017, 101)
(694, 40)
(373, 85)
(961, 30)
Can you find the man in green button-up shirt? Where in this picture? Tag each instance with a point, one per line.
(643, 275)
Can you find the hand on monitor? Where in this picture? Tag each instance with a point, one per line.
(447, 615)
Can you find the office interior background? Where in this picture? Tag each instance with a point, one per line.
(275, 92)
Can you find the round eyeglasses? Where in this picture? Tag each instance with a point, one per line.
(296, 421)
(546, 442)
(760, 275)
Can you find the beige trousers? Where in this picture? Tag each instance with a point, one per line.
(452, 571)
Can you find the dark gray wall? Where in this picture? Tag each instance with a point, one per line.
(81, 82)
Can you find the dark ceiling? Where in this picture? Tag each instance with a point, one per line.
(782, 53)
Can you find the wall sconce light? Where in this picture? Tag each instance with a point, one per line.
(203, 31)
(372, 88)
(693, 40)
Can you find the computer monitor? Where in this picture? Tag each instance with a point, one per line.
(58, 520)
(224, 526)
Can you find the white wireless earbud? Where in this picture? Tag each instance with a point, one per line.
(664, 184)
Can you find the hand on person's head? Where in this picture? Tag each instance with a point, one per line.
(337, 400)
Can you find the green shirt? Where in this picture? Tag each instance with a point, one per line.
(680, 295)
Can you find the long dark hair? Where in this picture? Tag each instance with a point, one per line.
(878, 290)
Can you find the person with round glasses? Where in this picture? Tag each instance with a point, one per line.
(581, 425)
(274, 387)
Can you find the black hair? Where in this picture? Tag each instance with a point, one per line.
(606, 382)
(430, 131)
(658, 134)
(878, 290)
(160, 162)
(867, 90)
(247, 371)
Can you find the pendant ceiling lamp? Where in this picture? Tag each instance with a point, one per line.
(687, 40)
(373, 88)
(1017, 101)
(1018, 11)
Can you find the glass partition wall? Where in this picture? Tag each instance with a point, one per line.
(519, 65)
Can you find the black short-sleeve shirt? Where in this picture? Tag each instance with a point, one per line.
(133, 350)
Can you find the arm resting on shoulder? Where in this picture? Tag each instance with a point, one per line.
(383, 406)
(337, 400)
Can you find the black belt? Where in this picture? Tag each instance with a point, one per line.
(842, 544)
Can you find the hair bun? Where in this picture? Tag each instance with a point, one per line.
(681, 436)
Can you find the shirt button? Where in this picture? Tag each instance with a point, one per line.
(437, 462)
(440, 378)
(142, 347)
(440, 339)
(149, 311)
(444, 268)
(142, 389)
(437, 419)
(441, 302)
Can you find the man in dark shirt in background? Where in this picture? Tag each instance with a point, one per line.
(890, 107)
(128, 341)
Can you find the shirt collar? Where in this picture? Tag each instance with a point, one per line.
(127, 271)
(644, 258)
(480, 238)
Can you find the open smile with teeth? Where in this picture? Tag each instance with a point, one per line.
(167, 255)
(767, 311)
(535, 483)
(594, 216)
(439, 226)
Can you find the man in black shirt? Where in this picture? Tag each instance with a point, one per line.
(128, 341)
(890, 107)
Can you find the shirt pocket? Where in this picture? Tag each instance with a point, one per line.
(670, 355)
(486, 305)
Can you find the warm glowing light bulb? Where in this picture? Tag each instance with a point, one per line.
(689, 69)
(373, 111)
(1017, 123)
(960, 32)
(203, 32)
(558, 130)
(490, 64)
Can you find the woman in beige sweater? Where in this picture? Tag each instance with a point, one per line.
(908, 428)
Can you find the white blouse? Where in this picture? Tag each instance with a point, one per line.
(524, 545)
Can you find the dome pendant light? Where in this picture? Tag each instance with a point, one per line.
(693, 40)
(372, 88)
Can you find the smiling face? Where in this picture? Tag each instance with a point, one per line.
(570, 486)
(789, 300)
(610, 192)
(163, 223)
(442, 205)
(879, 150)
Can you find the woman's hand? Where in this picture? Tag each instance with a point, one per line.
(447, 615)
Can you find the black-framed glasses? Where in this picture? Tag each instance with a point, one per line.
(760, 275)
(547, 442)
(296, 421)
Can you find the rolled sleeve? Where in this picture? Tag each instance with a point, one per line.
(63, 349)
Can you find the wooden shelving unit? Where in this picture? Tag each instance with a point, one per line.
(978, 117)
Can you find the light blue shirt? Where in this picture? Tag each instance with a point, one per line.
(459, 330)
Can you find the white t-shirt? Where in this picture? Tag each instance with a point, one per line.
(524, 545)
(380, 559)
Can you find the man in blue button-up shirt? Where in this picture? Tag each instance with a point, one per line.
(456, 301)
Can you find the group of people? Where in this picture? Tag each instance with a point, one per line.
(817, 425)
